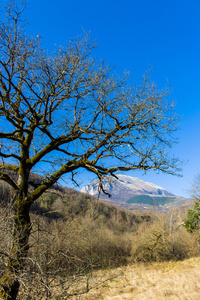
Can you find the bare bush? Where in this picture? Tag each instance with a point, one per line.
(160, 242)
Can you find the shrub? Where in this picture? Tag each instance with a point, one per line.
(161, 242)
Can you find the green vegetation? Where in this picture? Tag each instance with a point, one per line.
(193, 218)
(151, 200)
(192, 222)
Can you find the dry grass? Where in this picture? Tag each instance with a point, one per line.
(167, 280)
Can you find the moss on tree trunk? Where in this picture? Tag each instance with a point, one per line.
(9, 282)
(9, 285)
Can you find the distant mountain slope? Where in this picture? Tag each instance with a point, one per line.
(151, 200)
(124, 188)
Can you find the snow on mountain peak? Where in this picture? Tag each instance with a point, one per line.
(124, 188)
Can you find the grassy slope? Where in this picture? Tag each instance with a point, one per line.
(167, 280)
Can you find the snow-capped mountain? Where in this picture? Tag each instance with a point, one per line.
(124, 188)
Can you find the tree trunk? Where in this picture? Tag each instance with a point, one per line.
(9, 282)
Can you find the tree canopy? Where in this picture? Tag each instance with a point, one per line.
(71, 112)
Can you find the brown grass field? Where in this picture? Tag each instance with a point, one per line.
(167, 280)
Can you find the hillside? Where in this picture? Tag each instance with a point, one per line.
(127, 193)
(151, 200)
(62, 202)
(75, 237)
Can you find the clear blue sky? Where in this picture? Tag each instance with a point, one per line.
(133, 35)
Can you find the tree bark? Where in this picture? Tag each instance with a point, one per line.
(9, 282)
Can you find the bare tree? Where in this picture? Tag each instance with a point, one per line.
(65, 112)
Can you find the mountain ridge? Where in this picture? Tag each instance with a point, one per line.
(124, 188)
